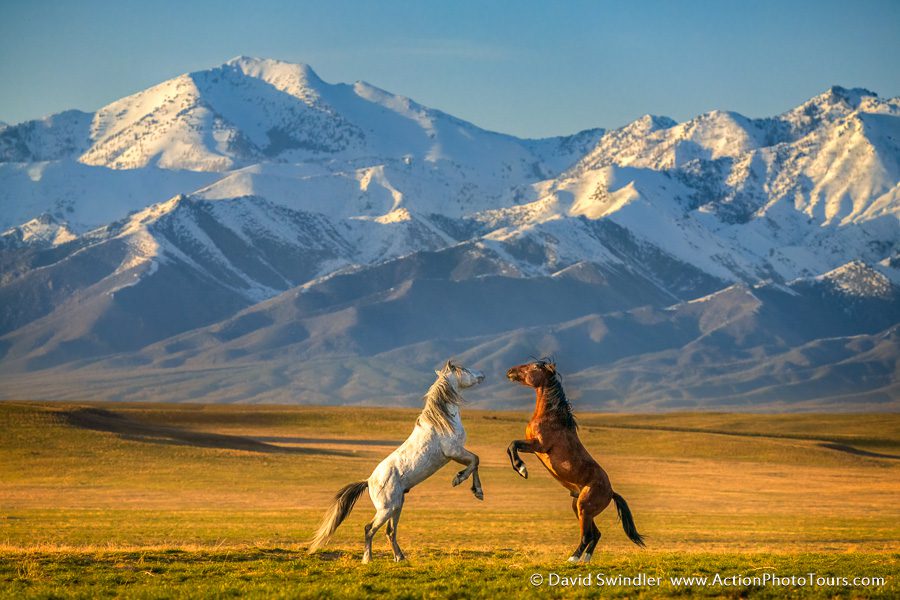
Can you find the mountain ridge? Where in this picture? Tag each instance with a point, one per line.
(184, 211)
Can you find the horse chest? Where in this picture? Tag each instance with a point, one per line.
(539, 432)
(554, 455)
(424, 453)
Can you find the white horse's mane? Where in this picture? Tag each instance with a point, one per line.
(438, 399)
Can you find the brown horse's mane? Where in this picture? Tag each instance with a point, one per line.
(556, 402)
(438, 399)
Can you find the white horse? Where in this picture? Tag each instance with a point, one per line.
(437, 438)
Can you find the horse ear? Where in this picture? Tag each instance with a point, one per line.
(448, 366)
(551, 367)
(438, 373)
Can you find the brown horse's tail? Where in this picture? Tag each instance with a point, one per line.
(627, 520)
(340, 507)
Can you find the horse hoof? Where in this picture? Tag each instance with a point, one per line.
(456, 481)
(586, 557)
(478, 494)
(573, 559)
(366, 558)
(522, 471)
(399, 558)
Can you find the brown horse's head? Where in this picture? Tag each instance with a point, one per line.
(536, 374)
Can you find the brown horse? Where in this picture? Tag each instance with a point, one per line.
(552, 436)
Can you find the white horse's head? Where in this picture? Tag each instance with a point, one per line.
(459, 376)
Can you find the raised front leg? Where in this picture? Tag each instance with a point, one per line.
(517, 446)
(470, 459)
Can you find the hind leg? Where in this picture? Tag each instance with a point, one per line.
(381, 517)
(391, 531)
(591, 502)
(589, 549)
(578, 551)
(590, 535)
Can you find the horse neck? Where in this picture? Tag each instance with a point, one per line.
(541, 403)
(439, 414)
(549, 406)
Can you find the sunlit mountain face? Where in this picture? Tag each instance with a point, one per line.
(253, 233)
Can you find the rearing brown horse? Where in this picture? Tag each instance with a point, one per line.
(552, 436)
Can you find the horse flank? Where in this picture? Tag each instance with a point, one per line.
(438, 399)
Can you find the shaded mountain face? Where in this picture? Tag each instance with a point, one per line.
(253, 233)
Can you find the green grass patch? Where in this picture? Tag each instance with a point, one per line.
(150, 501)
(280, 573)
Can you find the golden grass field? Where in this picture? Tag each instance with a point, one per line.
(143, 500)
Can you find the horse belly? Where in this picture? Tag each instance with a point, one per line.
(420, 465)
(560, 470)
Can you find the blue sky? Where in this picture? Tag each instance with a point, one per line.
(527, 68)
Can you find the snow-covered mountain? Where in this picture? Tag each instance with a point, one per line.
(321, 221)
(786, 197)
(284, 124)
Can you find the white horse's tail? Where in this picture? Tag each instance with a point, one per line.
(340, 507)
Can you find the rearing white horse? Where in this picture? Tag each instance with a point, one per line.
(437, 438)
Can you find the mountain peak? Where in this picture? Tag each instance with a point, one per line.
(831, 105)
(243, 59)
(42, 231)
(270, 68)
(838, 97)
(851, 96)
(856, 278)
(650, 122)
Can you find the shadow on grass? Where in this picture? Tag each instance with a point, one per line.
(333, 555)
(98, 419)
(341, 441)
(416, 554)
(822, 443)
(857, 451)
